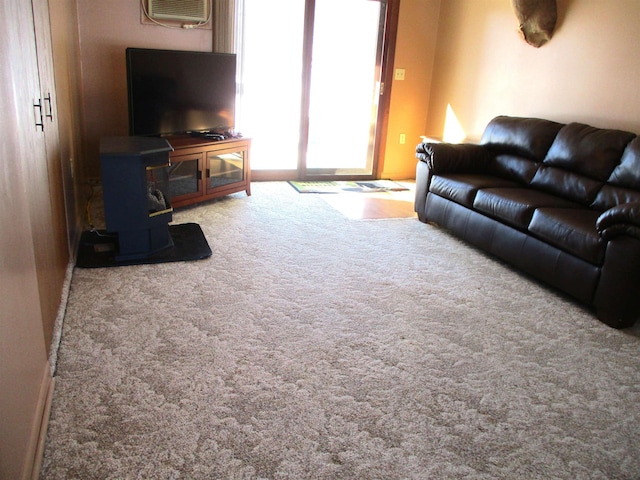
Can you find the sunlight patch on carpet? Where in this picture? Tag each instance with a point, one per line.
(374, 206)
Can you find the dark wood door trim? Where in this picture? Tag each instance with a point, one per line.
(388, 57)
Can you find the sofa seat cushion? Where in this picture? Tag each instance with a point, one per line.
(462, 187)
(570, 229)
(515, 206)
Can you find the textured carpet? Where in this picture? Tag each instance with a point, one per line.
(311, 346)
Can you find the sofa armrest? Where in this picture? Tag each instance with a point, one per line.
(623, 219)
(450, 157)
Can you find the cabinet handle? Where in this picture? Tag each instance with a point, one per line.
(49, 115)
(38, 111)
(208, 173)
(199, 175)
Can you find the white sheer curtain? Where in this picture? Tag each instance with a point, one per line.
(224, 25)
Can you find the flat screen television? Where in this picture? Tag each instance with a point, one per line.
(174, 92)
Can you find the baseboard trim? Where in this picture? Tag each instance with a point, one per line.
(59, 323)
(34, 452)
(44, 426)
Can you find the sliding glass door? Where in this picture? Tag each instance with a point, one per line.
(310, 75)
(344, 87)
(270, 88)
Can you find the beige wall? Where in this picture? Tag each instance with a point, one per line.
(106, 29)
(589, 71)
(415, 51)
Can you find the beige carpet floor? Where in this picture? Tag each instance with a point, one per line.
(314, 346)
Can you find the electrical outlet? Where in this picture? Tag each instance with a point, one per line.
(403, 139)
(399, 74)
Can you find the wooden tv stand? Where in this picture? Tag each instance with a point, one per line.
(202, 169)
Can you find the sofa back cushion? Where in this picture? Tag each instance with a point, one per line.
(513, 167)
(518, 145)
(565, 184)
(623, 185)
(589, 151)
(580, 161)
(627, 172)
(529, 138)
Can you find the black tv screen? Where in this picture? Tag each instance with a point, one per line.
(174, 92)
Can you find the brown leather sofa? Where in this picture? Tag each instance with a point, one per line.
(559, 202)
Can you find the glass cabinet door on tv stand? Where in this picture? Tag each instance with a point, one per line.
(203, 169)
(224, 168)
(184, 176)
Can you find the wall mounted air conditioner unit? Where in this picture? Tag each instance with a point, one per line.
(182, 10)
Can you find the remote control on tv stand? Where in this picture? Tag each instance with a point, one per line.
(208, 135)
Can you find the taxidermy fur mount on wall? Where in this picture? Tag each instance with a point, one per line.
(537, 20)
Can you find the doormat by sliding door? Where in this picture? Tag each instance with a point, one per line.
(366, 186)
